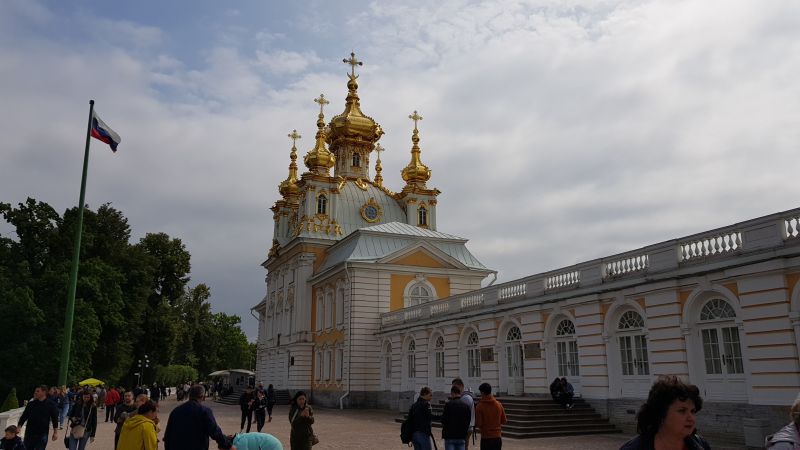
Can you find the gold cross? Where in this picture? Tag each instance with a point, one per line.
(353, 63)
(416, 118)
(294, 137)
(378, 149)
(322, 102)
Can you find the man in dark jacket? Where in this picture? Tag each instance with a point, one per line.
(246, 401)
(421, 416)
(191, 424)
(39, 413)
(455, 421)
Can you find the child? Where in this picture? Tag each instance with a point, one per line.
(11, 441)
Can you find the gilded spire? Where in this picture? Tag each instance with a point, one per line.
(416, 173)
(352, 123)
(288, 188)
(378, 168)
(319, 160)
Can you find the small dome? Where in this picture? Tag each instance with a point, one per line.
(352, 123)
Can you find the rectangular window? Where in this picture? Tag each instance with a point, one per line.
(733, 350)
(387, 363)
(626, 354)
(318, 371)
(642, 362)
(328, 310)
(711, 352)
(327, 365)
(339, 364)
(340, 307)
(474, 363)
(412, 366)
(318, 315)
(567, 355)
(440, 364)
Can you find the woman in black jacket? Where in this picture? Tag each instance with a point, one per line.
(260, 410)
(82, 421)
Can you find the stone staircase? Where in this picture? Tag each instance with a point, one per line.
(282, 397)
(531, 417)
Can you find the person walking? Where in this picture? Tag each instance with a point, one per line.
(421, 415)
(567, 393)
(101, 396)
(82, 421)
(59, 400)
(469, 399)
(191, 424)
(667, 419)
(125, 410)
(788, 437)
(11, 439)
(489, 419)
(260, 409)
(271, 400)
(63, 391)
(111, 401)
(38, 413)
(455, 421)
(246, 405)
(139, 431)
(301, 417)
(256, 441)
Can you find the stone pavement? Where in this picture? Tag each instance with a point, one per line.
(351, 429)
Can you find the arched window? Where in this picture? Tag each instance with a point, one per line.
(439, 356)
(473, 356)
(322, 204)
(567, 349)
(633, 344)
(722, 348)
(387, 365)
(422, 216)
(411, 360)
(514, 352)
(356, 160)
(418, 294)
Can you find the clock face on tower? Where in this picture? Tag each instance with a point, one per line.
(371, 211)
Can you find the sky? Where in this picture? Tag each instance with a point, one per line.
(558, 131)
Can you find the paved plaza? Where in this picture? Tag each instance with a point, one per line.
(354, 429)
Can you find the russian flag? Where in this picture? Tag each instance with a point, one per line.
(103, 132)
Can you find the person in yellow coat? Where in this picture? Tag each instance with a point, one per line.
(139, 431)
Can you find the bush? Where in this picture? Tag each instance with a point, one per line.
(11, 401)
(175, 374)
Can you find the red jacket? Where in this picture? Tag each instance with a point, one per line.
(112, 397)
(489, 416)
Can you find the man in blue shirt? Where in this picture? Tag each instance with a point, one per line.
(191, 424)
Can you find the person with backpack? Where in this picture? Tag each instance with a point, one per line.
(468, 399)
(420, 417)
(455, 421)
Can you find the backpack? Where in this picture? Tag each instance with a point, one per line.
(407, 429)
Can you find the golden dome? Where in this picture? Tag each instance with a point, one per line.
(352, 123)
(416, 173)
(319, 160)
(288, 187)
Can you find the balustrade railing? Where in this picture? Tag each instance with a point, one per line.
(766, 233)
(561, 280)
(711, 246)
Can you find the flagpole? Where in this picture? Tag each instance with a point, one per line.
(76, 254)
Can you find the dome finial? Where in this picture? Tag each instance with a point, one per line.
(378, 168)
(288, 188)
(319, 160)
(416, 173)
(353, 63)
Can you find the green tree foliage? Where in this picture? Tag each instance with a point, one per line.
(131, 300)
(175, 374)
(11, 401)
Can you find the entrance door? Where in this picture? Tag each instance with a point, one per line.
(514, 362)
(722, 354)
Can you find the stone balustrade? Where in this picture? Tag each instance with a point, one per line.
(10, 417)
(762, 235)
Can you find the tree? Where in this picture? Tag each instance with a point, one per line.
(11, 401)
(175, 374)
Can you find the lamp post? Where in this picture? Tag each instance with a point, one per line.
(145, 364)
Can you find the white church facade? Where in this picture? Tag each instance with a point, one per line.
(367, 301)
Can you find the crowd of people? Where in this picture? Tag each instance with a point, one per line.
(666, 421)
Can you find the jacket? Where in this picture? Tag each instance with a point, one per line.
(421, 416)
(455, 419)
(112, 397)
(39, 414)
(693, 442)
(80, 414)
(300, 436)
(12, 444)
(489, 417)
(138, 433)
(469, 400)
(787, 438)
(256, 441)
(189, 427)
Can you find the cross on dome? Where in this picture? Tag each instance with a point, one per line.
(416, 118)
(294, 137)
(378, 149)
(353, 63)
(322, 101)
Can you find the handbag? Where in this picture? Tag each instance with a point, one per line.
(314, 439)
(79, 430)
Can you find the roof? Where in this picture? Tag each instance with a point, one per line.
(375, 243)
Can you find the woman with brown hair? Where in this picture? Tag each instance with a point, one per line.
(301, 417)
(82, 421)
(667, 420)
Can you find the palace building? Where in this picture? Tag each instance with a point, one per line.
(367, 301)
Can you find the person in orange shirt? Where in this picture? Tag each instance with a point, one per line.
(489, 417)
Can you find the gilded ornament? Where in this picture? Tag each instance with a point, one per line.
(361, 184)
(289, 188)
(416, 173)
(371, 211)
(319, 160)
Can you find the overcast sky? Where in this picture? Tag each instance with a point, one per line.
(558, 131)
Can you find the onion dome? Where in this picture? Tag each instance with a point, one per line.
(288, 187)
(352, 123)
(319, 160)
(416, 173)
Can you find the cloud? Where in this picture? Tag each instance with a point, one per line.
(558, 131)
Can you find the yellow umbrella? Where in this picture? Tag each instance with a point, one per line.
(91, 382)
